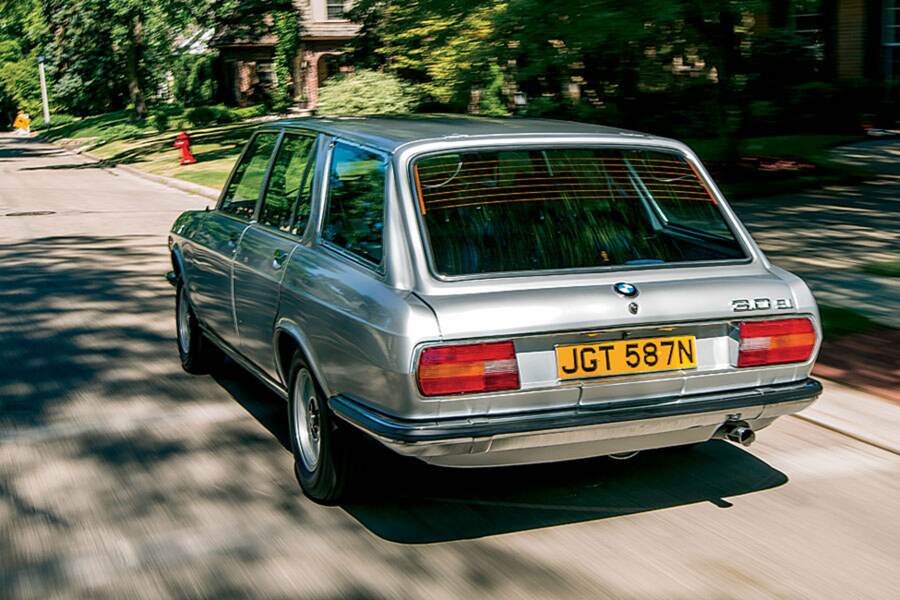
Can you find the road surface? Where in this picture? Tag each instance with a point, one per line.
(827, 235)
(122, 476)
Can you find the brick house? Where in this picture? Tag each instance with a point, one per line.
(246, 66)
(855, 39)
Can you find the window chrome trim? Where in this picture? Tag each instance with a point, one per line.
(276, 132)
(264, 186)
(426, 241)
(340, 251)
(309, 170)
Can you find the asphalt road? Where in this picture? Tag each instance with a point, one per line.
(122, 476)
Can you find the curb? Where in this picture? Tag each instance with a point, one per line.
(856, 414)
(182, 186)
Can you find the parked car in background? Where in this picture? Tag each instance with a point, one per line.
(484, 292)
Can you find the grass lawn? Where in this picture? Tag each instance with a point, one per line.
(114, 137)
(887, 268)
(215, 147)
(118, 138)
(812, 148)
(838, 322)
(805, 149)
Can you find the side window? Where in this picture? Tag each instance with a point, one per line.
(355, 216)
(287, 199)
(243, 192)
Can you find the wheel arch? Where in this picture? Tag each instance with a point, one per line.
(289, 338)
(177, 260)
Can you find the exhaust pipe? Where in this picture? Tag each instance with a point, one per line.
(624, 455)
(739, 433)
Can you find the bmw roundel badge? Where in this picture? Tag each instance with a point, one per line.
(626, 289)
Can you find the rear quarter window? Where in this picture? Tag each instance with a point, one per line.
(354, 219)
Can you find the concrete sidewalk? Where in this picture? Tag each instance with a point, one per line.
(858, 415)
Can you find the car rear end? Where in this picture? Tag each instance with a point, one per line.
(594, 296)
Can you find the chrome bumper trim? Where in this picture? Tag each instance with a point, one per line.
(393, 430)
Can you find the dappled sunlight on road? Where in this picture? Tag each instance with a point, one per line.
(70, 315)
(826, 237)
(122, 476)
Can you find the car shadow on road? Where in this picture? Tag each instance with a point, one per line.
(258, 400)
(428, 504)
(406, 501)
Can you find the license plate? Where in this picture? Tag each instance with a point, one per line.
(626, 357)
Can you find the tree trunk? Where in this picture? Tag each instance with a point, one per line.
(133, 61)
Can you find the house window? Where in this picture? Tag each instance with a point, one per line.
(265, 71)
(892, 40)
(335, 10)
(809, 24)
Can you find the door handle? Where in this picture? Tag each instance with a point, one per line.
(278, 258)
(233, 240)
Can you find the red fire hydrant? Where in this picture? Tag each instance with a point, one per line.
(183, 141)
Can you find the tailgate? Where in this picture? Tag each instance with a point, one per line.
(541, 320)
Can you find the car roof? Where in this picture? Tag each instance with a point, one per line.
(389, 133)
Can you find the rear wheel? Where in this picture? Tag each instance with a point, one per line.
(324, 460)
(198, 355)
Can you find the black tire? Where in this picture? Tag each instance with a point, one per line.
(198, 354)
(332, 476)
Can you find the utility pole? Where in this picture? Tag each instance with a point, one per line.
(44, 90)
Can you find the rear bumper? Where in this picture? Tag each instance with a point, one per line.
(594, 430)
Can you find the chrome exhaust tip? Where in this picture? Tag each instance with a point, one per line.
(624, 455)
(739, 433)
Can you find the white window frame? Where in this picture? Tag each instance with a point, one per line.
(891, 39)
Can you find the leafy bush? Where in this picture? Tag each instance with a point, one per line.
(251, 112)
(225, 115)
(56, 120)
(366, 92)
(195, 79)
(165, 116)
(203, 116)
(159, 121)
(491, 103)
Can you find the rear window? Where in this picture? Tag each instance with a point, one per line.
(491, 211)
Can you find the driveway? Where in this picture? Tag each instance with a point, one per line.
(122, 476)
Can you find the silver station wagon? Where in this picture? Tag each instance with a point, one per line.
(482, 292)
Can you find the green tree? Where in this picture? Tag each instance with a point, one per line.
(21, 30)
(85, 67)
(447, 48)
(605, 60)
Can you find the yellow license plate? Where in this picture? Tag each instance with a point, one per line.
(626, 357)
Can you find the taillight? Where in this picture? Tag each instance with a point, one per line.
(468, 368)
(776, 342)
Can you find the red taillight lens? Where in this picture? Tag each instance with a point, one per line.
(776, 342)
(469, 368)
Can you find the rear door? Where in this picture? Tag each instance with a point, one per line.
(267, 245)
(209, 285)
